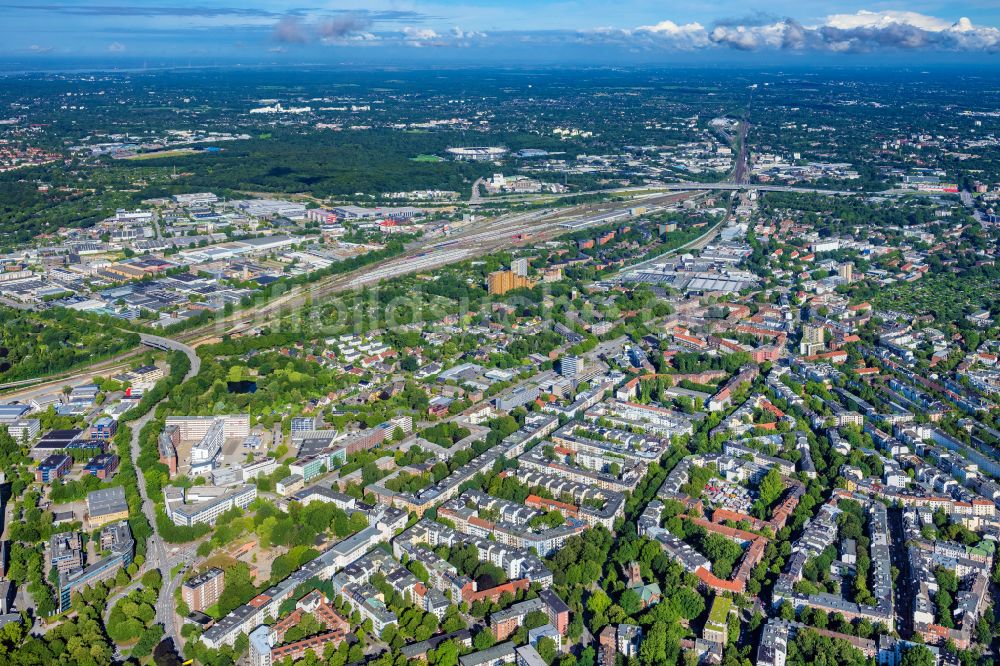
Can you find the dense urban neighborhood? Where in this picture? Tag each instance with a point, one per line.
(429, 369)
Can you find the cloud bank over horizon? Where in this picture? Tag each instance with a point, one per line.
(263, 27)
(863, 31)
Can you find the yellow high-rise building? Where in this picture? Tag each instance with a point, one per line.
(846, 272)
(500, 282)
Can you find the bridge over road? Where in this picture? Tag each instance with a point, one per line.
(169, 344)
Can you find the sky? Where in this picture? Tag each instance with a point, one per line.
(509, 32)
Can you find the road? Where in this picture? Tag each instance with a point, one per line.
(740, 169)
(32, 389)
(17, 305)
(698, 243)
(737, 176)
(905, 590)
(788, 188)
(728, 185)
(969, 203)
(169, 344)
(114, 598)
(28, 388)
(157, 555)
(476, 198)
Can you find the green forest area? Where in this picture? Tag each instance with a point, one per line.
(335, 164)
(36, 344)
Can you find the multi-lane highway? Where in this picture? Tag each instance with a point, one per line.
(741, 169)
(736, 177)
(790, 188)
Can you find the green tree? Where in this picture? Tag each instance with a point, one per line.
(688, 602)
(771, 487)
(547, 649)
(918, 655)
(598, 602)
(484, 640)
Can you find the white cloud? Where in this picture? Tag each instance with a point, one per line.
(116, 47)
(459, 33)
(839, 33)
(671, 28)
(665, 34)
(419, 34)
(419, 37)
(685, 36)
(884, 19)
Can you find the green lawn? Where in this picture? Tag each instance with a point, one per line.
(177, 152)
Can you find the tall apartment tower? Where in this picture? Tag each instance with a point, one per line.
(813, 339)
(500, 282)
(204, 589)
(570, 366)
